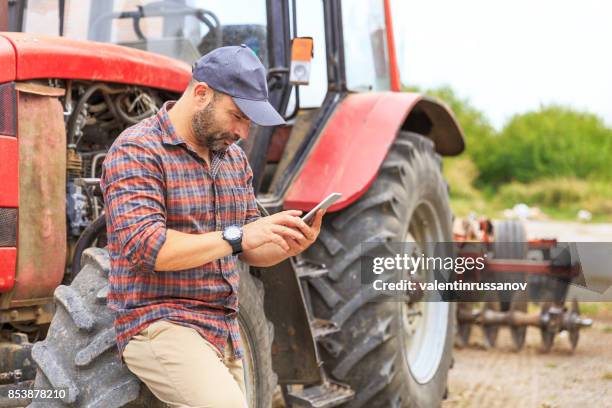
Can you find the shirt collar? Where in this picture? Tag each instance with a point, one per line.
(169, 135)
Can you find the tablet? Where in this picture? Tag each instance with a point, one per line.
(325, 204)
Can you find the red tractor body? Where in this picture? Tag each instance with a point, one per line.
(27, 57)
(356, 140)
(64, 101)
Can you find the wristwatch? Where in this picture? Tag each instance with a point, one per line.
(233, 235)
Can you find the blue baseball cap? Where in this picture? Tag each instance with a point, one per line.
(238, 72)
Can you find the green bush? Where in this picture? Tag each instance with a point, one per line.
(556, 158)
(554, 141)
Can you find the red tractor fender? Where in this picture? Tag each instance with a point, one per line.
(39, 56)
(356, 139)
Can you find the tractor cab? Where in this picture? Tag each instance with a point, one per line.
(353, 32)
(182, 30)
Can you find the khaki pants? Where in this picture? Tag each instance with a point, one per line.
(184, 370)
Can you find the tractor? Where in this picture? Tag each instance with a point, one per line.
(75, 74)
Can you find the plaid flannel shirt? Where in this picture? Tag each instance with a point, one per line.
(152, 180)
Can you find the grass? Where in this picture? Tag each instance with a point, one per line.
(596, 308)
(558, 198)
(561, 197)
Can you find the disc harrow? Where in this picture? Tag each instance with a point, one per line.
(544, 264)
(550, 320)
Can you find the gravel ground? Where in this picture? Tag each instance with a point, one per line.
(569, 231)
(502, 377)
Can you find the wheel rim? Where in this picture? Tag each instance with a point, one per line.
(423, 322)
(249, 366)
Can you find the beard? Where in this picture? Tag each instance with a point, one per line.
(208, 132)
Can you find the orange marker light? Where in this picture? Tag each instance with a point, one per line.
(301, 57)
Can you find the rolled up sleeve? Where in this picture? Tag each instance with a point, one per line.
(134, 195)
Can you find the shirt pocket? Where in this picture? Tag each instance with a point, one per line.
(239, 204)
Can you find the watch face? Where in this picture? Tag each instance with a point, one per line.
(232, 233)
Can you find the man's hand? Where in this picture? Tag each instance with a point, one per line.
(309, 235)
(280, 229)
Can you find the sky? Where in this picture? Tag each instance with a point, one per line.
(509, 57)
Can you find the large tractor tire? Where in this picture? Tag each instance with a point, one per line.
(510, 242)
(392, 353)
(510, 239)
(79, 353)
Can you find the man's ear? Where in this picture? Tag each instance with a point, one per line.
(202, 94)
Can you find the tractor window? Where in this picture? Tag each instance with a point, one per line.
(42, 18)
(181, 29)
(311, 23)
(365, 45)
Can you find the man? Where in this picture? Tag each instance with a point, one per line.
(180, 209)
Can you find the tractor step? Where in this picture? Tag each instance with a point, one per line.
(327, 395)
(321, 328)
(308, 269)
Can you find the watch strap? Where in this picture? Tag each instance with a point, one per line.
(236, 246)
